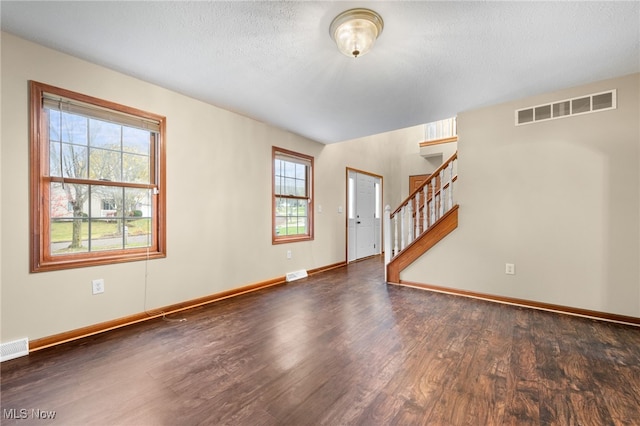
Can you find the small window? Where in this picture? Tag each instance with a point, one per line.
(292, 196)
(352, 200)
(378, 195)
(108, 205)
(97, 181)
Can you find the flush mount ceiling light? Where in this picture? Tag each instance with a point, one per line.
(355, 31)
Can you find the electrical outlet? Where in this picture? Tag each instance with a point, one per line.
(510, 269)
(98, 286)
(288, 254)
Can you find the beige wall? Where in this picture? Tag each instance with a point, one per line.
(218, 191)
(395, 155)
(218, 201)
(560, 199)
(219, 205)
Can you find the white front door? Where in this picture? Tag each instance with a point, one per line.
(364, 215)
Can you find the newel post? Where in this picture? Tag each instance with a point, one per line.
(387, 238)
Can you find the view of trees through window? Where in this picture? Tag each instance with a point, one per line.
(96, 181)
(103, 216)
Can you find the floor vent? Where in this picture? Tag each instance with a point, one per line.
(586, 104)
(296, 275)
(15, 349)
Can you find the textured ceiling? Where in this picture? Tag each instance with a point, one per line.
(274, 61)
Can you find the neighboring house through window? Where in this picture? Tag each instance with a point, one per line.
(108, 205)
(97, 181)
(292, 196)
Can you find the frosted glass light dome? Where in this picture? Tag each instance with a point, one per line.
(356, 30)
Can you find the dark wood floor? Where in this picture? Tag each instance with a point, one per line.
(338, 348)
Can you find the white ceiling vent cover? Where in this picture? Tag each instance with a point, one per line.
(15, 349)
(586, 104)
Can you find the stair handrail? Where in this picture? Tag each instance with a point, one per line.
(427, 181)
(412, 218)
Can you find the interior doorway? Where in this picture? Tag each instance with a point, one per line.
(416, 180)
(364, 214)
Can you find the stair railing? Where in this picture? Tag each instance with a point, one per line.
(420, 210)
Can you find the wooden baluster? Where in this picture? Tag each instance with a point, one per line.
(409, 223)
(417, 216)
(441, 204)
(451, 185)
(445, 191)
(395, 234)
(425, 223)
(402, 219)
(428, 212)
(387, 238)
(433, 202)
(454, 173)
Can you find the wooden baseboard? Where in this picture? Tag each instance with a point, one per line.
(362, 259)
(79, 333)
(327, 268)
(623, 319)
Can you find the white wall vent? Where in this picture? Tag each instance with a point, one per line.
(595, 102)
(15, 349)
(296, 275)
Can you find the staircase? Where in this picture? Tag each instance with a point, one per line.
(425, 217)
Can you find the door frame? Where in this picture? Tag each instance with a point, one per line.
(346, 210)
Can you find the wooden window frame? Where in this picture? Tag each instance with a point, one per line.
(281, 239)
(41, 258)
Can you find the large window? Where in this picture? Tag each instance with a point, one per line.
(97, 181)
(292, 196)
